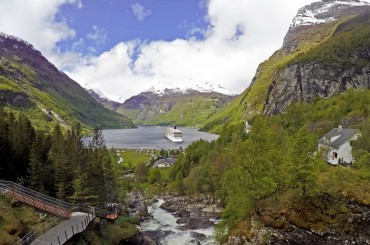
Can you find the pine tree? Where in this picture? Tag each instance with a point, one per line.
(6, 168)
(81, 189)
(36, 171)
(58, 158)
(252, 176)
(97, 139)
(304, 165)
(101, 176)
(21, 136)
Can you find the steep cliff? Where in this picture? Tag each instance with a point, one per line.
(340, 63)
(326, 51)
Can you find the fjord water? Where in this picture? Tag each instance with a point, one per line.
(150, 137)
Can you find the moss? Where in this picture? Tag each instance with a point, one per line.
(15, 219)
(6, 238)
(116, 234)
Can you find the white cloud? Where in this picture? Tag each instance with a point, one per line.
(35, 21)
(239, 36)
(140, 12)
(98, 35)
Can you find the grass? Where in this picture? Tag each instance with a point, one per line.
(132, 157)
(15, 220)
(114, 234)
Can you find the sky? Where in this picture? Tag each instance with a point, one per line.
(123, 47)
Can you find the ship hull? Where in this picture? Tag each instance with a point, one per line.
(176, 140)
(174, 134)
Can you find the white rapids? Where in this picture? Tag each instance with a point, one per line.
(165, 221)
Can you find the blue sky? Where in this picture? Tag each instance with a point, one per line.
(123, 47)
(124, 20)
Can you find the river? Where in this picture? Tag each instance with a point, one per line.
(164, 222)
(150, 137)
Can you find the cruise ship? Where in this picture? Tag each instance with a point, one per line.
(174, 134)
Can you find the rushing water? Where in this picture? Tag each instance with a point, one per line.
(165, 221)
(150, 137)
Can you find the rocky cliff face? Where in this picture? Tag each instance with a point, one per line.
(318, 220)
(340, 62)
(304, 82)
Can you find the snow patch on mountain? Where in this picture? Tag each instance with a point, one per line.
(98, 93)
(163, 88)
(322, 12)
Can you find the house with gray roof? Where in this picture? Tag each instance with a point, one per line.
(337, 142)
(164, 162)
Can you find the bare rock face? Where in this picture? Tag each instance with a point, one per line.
(304, 82)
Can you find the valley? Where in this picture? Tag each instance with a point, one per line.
(286, 161)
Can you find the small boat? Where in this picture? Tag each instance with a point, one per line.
(173, 134)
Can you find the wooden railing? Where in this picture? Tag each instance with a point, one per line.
(60, 208)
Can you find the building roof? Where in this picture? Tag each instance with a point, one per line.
(168, 160)
(338, 136)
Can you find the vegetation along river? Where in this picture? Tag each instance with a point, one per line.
(150, 137)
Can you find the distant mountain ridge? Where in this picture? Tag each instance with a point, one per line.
(326, 51)
(160, 105)
(206, 87)
(29, 82)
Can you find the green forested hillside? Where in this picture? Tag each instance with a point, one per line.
(185, 109)
(31, 84)
(273, 175)
(192, 112)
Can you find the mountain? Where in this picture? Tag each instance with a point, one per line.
(31, 84)
(326, 51)
(100, 97)
(160, 105)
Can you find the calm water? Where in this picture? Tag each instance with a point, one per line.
(150, 137)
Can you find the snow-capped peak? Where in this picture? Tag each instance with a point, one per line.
(163, 88)
(97, 93)
(323, 11)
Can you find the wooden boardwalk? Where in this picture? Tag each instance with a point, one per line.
(56, 232)
(40, 204)
(61, 233)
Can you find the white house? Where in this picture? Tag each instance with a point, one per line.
(164, 162)
(337, 141)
